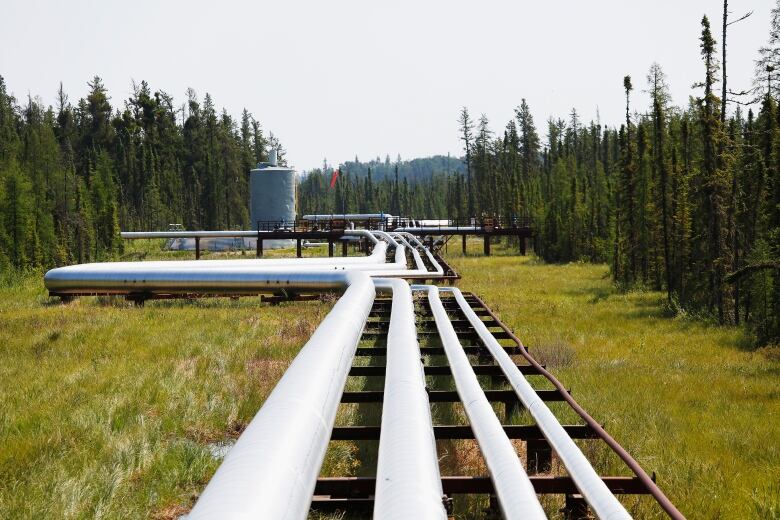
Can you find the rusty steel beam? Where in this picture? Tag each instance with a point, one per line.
(440, 370)
(362, 487)
(525, 432)
(448, 396)
(432, 351)
(470, 334)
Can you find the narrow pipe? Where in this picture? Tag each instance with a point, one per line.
(649, 483)
(436, 266)
(415, 254)
(408, 483)
(273, 467)
(516, 495)
(604, 503)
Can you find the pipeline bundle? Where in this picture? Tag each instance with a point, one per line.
(272, 470)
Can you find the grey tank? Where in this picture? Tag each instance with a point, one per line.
(272, 198)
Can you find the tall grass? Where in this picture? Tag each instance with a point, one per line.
(110, 410)
(691, 401)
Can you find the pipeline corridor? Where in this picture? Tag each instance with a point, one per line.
(273, 470)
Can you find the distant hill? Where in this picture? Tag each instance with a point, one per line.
(413, 170)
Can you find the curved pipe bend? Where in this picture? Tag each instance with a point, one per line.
(377, 257)
(436, 266)
(226, 276)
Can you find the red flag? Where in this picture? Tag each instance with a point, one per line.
(333, 179)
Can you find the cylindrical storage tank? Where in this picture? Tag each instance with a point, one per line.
(272, 200)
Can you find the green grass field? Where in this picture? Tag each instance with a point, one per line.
(692, 402)
(113, 411)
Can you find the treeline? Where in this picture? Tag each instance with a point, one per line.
(73, 175)
(415, 187)
(418, 169)
(680, 199)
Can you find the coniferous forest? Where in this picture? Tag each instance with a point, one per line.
(73, 175)
(683, 199)
(680, 199)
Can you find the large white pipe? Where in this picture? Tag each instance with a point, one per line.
(415, 254)
(599, 497)
(408, 483)
(377, 256)
(225, 276)
(516, 495)
(348, 216)
(273, 467)
(124, 277)
(433, 229)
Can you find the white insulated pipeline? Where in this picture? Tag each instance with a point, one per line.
(272, 470)
(516, 495)
(599, 497)
(408, 483)
(124, 277)
(433, 229)
(222, 276)
(273, 467)
(427, 251)
(348, 216)
(376, 256)
(415, 254)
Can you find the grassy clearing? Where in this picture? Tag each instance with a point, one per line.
(109, 410)
(692, 402)
(112, 411)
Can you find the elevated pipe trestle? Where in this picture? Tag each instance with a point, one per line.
(272, 470)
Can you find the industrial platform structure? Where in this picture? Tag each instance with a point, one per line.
(412, 346)
(331, 230)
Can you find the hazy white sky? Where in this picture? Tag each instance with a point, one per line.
(337, 79)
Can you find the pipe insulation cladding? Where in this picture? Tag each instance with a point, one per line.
(596, 493)
(223, 276)
(516, 495)
(273, 467)
(408, 483)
